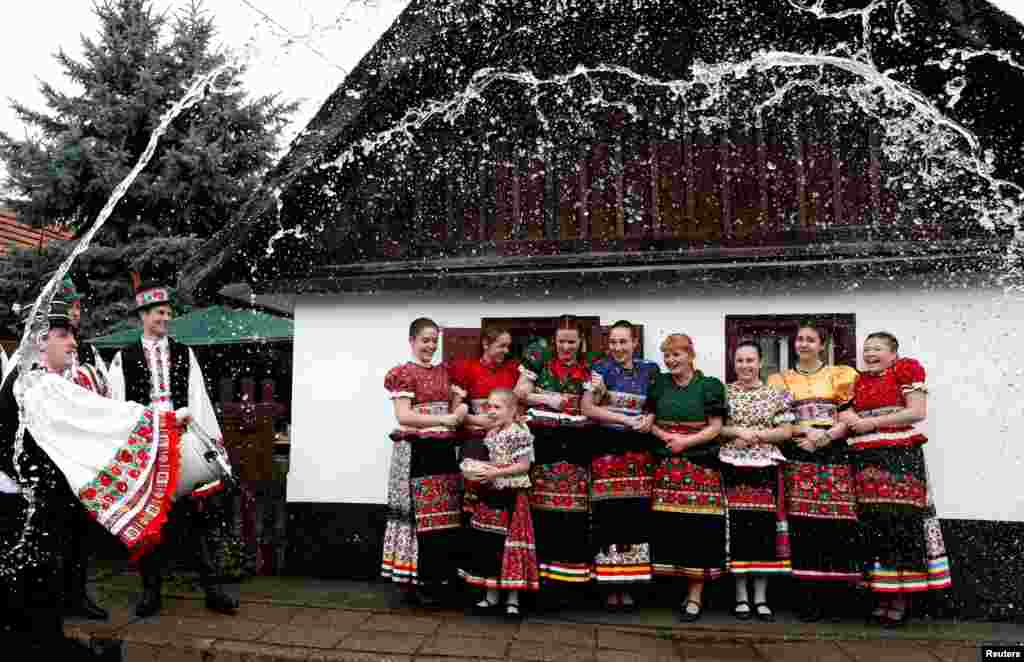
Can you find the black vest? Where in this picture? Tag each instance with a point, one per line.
(137, 384)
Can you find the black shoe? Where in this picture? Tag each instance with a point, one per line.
(219, 601)
(687, 616)
(150, 603)
(741, 614)
(84, 607)
(764, 612)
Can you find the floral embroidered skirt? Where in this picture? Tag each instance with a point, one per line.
(752, 497)
(423, 533)
(822, 515)
(688, 523)
(903, 546)
(500, 539)
(472, 448)
(621, 479)
(560, 503)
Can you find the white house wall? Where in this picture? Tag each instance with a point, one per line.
(965, 336)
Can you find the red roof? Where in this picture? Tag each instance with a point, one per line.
(25, 236)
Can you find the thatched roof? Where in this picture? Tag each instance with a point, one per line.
(325, 215)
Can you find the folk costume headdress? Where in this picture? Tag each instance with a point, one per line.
(59, 315)
(149, 293)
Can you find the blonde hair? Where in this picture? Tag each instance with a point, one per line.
(506, 394)
(676, 342)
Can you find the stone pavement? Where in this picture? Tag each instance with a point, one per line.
(334, 621)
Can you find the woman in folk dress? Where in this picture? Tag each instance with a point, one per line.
(478, 377)
(688, 507)
(820, 507)
(622, 469)
(759, 420)
(902, 542)
(425, 485)
(552, 386)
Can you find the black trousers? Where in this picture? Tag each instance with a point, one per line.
(191, 527)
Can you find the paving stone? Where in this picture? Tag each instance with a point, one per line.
(134, 651)
(816, 651)
(267, 613)
(474, 647)
(541, 651)
(157, 634)
(634, 641)
(216, 628)
(303, 635)
(885, 651)
(246, 651)
(577, 635)
(354, 656)
(382, 642)
(953, 652)
(401, 623)
(186, 608)
(469, 626)
(697, 652)
(340, 619)
(182, 654)
(664, 655)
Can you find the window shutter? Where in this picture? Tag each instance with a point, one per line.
(844, 337)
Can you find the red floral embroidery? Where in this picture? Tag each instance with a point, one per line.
(821, 491)
(627, 476)
(684, 487)
(438, 503)
(560, 486)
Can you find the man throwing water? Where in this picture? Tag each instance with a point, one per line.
(165, 373)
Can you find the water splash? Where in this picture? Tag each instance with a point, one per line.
(911, 121)
(27, 355)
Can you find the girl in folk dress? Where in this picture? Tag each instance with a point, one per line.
(688, 507)
(903, 543)
(759, 418)
(820, 507)
(500, 534)
(424, 486)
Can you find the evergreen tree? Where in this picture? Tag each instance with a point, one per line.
(130, 74)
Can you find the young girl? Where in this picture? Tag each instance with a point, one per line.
(500, 529)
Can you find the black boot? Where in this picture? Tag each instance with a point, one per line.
(150, 603)
(83, 606)
(77, 603)
(219, 601)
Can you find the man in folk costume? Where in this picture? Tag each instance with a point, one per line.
(89, 372)
(165, 373)
(34, 542)
(88, 356)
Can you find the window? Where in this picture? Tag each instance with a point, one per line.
(775, 334)
(464, 342)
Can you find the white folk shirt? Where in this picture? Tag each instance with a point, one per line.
(158, 356)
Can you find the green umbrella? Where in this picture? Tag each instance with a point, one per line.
(215, 325)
